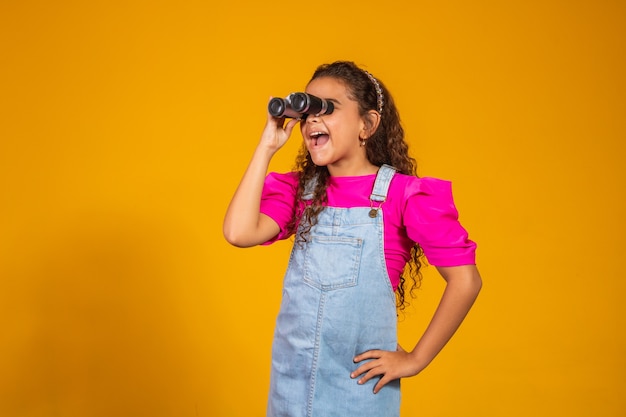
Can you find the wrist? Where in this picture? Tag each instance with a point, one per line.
(265, 151)
(419, 359)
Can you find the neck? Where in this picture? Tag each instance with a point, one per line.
(352, 170)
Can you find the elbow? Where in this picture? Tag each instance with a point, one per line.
(476, 283)
(465, 278)
(233, 235)
(248, 234)
(478, 286)
(239, 243)
(234, 238)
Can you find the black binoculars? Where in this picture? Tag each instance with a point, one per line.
(299, 105)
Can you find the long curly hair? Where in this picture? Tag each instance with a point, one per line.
(385, 146)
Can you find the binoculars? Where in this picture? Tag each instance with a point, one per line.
(299, 105)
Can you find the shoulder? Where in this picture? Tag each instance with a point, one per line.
(290, 178)
(277, 200)
(431, 219)
(424, 200)
(282, 182)
(410, 186)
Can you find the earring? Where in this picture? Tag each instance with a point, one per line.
(362, 142)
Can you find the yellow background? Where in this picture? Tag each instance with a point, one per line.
(125, 127)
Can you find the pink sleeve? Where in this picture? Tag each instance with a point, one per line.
(431, 219)
(277, 201)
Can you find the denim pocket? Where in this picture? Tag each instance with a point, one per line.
(332, 262)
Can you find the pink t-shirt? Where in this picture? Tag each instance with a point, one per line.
(418, 210)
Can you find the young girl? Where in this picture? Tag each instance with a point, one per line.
(359, 214)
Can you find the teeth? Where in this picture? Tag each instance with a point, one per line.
(316, 135)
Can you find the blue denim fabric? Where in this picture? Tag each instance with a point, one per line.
(337, 302)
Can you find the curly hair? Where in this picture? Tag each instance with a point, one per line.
(385, 146)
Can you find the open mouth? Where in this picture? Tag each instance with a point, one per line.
(319, 138)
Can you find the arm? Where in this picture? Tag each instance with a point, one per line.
(462, 288)
(244, 224)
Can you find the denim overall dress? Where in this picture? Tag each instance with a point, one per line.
(337, 302)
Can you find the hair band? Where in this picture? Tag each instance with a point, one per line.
(379, 92)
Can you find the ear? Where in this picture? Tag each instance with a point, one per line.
(371, 120)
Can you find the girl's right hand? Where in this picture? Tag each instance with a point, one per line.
(276, 132)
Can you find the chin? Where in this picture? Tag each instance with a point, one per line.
(320, 163)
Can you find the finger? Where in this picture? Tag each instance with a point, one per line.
(380, 384)
(370, 374)
(366, 367)
(290, 125)
(370, 354)
(280, 121)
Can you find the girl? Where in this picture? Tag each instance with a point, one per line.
(359, 214)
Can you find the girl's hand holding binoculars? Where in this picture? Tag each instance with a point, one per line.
(277, 131)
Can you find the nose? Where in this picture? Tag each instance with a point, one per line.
(311, 118)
